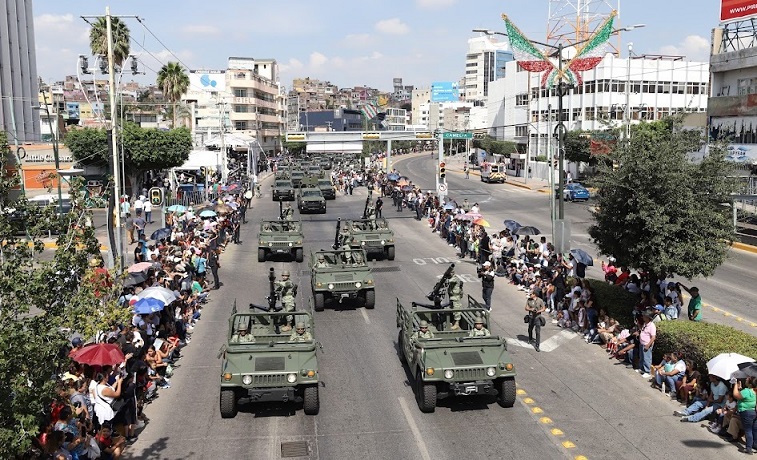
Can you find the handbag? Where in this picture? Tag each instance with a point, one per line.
(115, 405)
(527, 319)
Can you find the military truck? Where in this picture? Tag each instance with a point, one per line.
(296, 175)
(452, 364)
(374, 236)
(327, 188)
(283, 190)
(267, 367)
(310, 199)
(280, 237)
(341, 276)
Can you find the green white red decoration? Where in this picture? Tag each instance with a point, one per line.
(588, 55)
(369, 111)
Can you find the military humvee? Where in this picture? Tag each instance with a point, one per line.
(283, 190)
(310, 199)
(327, 188)
(279, 237)
(342, 278)
(374, 236)
(296, 175)
(271, 368)
(451, 363)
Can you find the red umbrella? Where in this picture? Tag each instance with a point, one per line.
(100, 354)
(139, 267)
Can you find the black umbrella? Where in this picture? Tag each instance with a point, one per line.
(582, 256)
(745, 370)
(512, 225)
(161, 233)
(527, 230)
(135, 278)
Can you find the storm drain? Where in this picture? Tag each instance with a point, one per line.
(295, 449)
(385, 269)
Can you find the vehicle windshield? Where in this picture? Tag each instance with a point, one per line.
(283, 183)
(281, 226)
(324, 183)
(337, 258)
(311, 193)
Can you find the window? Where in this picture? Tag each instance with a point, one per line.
(471, 64)
(576, 114)
(240, 75)
(521, 99)
(240, 92)
(241, 108)
(521, 131)
(240, 125)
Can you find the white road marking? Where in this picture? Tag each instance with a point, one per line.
(517, 343)
(556, 340)
(365, 316)
(414, 428)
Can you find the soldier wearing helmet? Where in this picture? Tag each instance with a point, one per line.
(300, 334)
(286, 291)
(321, 262)
(422, 332)
(455, 296)
(288, 212)
(242, 335)
(478, 328)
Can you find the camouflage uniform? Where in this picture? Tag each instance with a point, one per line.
(422, 334)
(347, 254)
(296, 336)
(483, 332)
(370, 214)
(286, 291)
(288, 212)
(455, 295)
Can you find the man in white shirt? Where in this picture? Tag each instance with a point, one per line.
(699, 410)
(139, 205)
(147, 206)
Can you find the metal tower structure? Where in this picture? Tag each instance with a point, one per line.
(571, 21)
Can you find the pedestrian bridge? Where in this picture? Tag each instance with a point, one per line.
(358, 136)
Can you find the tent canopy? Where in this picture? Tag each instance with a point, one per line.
(198, 158)
(236, 140)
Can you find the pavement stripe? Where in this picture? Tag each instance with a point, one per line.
(365, 316)
(422, 449)
(556, 340)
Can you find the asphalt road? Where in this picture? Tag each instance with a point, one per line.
(572, 400)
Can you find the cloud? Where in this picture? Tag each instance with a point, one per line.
(317, 60)
(693, 47)
(59, 39)
(392, 26)
(430, 4)
(292, 65)
(358, 40)
(200, 29)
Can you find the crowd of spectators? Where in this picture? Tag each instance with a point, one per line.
(99, 409)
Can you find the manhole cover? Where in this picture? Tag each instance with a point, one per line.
(385, 269)
(295, 449)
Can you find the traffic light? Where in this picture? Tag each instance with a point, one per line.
(156, 196)
(442, 170)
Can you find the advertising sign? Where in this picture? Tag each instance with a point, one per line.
(207, 80)
(445, 91)
(734, 10)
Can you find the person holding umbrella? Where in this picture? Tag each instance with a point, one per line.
(695, 303)
(744, 393)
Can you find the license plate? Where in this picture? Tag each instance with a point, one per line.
(471, 390)
(280, 250)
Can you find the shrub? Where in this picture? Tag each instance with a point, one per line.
(618, 302)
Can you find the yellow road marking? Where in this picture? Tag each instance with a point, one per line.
(568, 444)
(520, 392)
(528, 400)
(557, 432)
(715, 309)
(537, 410)
(546, 420)
(580, 457)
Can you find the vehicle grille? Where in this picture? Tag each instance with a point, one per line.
(344, 286)
(273, 363)
(469, 375)
(277, 244)
(466, 358)
(269, 379)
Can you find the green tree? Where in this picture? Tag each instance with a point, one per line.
(98, 39)
(144, 149)
(578, 147)
(40, 298)
(173, 81)
(659, 211)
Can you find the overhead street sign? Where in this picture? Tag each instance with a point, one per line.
(457, 136)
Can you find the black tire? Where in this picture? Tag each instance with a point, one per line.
(261, 255)
(506, 389)
(370, 299)
(401, 347)
(390, 253)
(425, 394)
(311, 404)
(298, 257)
(228, 403)
(324, 210)
(319, 300)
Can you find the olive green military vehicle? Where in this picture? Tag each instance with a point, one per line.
(452, 363)
(327, 188)
(296, 175)
(310, 199)
(283, 190)
(337, 275)
(262, 364)
(373, 236)
(280, 238)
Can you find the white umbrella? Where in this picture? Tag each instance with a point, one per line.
(159, 293)
(725, 364)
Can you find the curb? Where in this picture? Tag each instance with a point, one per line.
(744, 247)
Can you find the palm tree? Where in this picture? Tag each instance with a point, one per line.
(98, 39)
(173, 81)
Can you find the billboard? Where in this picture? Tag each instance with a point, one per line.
(207, 80)
(733, 10)
(445, 91)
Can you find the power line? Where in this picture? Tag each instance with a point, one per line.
(161, 43)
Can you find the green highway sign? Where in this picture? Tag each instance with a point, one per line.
(457, 136)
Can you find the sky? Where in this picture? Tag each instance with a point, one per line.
(348, 43)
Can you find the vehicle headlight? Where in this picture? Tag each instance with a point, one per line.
(291, 378)
(362, 243)
(319, 284)
(262, 242)
(509, 366)
(331, 285)
(430, 371)
(383, 242)
(270, 245)
(227, 376)
(299, 241)
(490, 371)
(247, 379)
(391, 240)
(449, 373)
(369, 282)
(290, 244)
(358, 284)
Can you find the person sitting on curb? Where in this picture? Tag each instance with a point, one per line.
(701, 408)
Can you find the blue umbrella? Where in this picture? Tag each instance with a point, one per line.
(582, 256)
(148, 305)
(449, 206)
(393, 176)
(512, 225)
(208, 213)
(161, 233)
(178, 208)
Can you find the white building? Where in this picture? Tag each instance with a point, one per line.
(483, 64)
(396, 119)
(420, 98)
(520, 110)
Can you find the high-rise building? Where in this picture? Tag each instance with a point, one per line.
(18, 71)
(484, 63)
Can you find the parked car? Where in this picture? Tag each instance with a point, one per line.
(574, 192)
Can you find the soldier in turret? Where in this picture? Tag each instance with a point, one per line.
(288, 212)
(286, 291)
(455, 295)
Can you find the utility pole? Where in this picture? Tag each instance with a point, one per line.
(628, 94)
(56, 156)
(114, 140)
